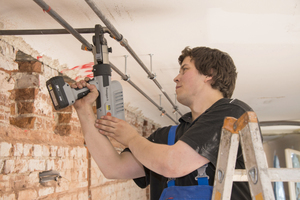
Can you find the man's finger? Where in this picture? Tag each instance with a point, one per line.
(110, 118)
(106, 133)
(83, 83)
(73, 85)
(104, 124)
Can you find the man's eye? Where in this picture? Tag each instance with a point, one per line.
(182, 70)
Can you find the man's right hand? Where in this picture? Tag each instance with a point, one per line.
(90, 98)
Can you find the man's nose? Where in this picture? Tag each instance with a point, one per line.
(176, 79)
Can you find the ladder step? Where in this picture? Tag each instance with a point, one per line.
(275, 174)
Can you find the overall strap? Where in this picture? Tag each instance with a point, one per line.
(171, 136)
(202, 178)
(171, 141)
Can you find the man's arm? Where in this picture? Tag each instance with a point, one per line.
(111, 163)
(170, 161)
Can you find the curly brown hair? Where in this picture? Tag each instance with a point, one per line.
(215, 63)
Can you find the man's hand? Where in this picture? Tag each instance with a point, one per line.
(90, 98)
(116, 128)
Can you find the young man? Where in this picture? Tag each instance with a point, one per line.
(205, 83)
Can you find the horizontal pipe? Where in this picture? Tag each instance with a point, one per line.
(45, 31)
(62, 22)
(125, 44)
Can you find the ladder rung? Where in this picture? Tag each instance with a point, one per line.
(275, 174)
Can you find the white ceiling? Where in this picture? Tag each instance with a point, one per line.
(263, 38)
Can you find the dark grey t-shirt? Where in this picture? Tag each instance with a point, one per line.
(203, 135)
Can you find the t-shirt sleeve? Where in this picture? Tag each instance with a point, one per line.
(205, 132)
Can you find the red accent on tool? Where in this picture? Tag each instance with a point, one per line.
(47, 10)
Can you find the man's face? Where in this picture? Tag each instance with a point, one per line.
(189, 82)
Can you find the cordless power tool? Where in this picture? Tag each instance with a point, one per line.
(110, 100)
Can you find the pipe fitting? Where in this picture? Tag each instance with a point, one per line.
(152, 77)
(127, 78)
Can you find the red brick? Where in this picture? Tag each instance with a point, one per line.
(25, 80)
(30, 66)
(27, 194)
(63, 130)
(66, 109)
(39, 124)
(49, 124)
(46, 98)
(19, 182)
(4, 99)
(21, 165)
(23, 122)
(9, 167)
(13, 109)
(64, 117)
(5, 182)
(9, 196)
(25, 107)
(24, 94)
(2, 114)
(68, 197)
(5, 148)
(77, 130)
(44, 191)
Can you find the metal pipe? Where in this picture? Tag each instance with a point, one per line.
(113, 30)
(125, 44)
(151, 55)
(279, 123)
(45, 31)
(124, 77)
(62, 22)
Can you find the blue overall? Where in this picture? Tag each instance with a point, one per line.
(202, 191)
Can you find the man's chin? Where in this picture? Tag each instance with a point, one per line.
(181, 100)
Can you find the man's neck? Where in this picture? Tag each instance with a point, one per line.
(201, 105)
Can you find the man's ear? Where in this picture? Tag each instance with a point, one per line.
(208, 79)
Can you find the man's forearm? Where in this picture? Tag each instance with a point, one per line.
(112, 164)
(151, 155)
(105, 155)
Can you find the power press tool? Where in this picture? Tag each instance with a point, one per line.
(110, 100)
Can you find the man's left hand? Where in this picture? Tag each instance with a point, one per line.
(116, 128)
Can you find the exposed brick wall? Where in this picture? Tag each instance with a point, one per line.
(34, 137)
